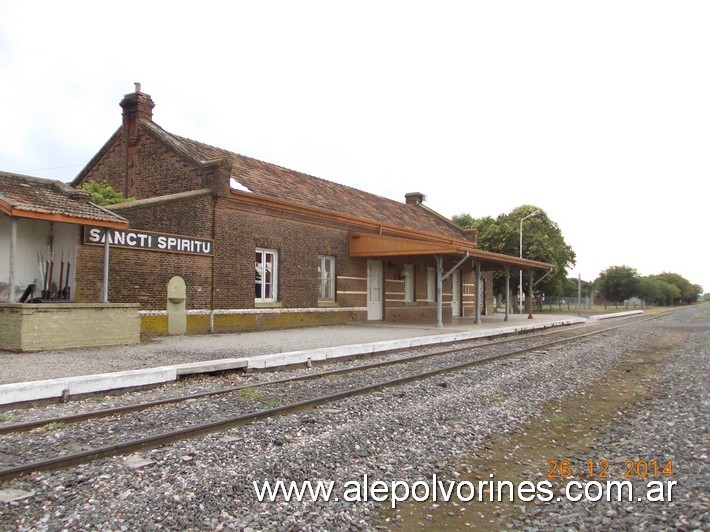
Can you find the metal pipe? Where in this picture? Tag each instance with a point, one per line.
(104, 288)
(520, 286)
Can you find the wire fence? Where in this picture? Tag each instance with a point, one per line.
(587, 302)
(572, 303)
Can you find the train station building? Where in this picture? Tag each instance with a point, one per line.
(262, 246)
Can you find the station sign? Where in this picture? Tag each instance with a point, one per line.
(135, 239)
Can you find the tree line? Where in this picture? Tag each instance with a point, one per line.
(619, 283)
(543, 241)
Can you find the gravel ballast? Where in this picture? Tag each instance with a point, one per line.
(407, 434)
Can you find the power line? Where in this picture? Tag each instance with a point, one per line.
(51, 168)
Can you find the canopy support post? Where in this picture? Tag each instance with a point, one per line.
(478, 292)
(507, 293)
(530, 296)
(439, 290)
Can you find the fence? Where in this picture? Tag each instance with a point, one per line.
(571, 303)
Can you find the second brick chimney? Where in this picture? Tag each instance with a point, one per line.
(414, 198)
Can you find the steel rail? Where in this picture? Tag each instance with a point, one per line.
(125, 409)
(159, 440)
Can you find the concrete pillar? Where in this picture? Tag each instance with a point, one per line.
(177, 315)
(478, 292)
(439, 291)
(507, 293)
(530, 296)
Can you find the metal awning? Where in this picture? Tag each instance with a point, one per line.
(374, 245)
(370, 245)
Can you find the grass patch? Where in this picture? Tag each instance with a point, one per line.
(247, 394)
(271, 403)
(560, 420)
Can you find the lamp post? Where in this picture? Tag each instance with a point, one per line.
(520, 286)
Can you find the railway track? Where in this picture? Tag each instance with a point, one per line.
(227, 408)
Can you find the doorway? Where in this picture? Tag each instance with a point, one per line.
(456, 294)
(374, 290)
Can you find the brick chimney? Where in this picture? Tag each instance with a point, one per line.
(136, 105)
(414, 198)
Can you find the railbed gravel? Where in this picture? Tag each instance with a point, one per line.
(55, 439)
(405, 433)
(201, 383)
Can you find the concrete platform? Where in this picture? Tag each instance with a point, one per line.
(46, 375)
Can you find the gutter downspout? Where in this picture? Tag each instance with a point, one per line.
(440, 278)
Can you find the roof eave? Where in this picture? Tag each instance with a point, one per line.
(46, 216)
(381, 228)
(378, 245)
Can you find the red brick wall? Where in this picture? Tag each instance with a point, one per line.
(241, 228)
(109, 167)
(141, 276)
(237, 228)
(153, 169)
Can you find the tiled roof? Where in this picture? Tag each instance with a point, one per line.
(273, 181)
(40, 198)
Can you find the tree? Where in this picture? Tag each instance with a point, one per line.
(103, 194)
(657, 291)
(687, 293)
(571, 288)
(542, 241)
(698, 292)
(618, 283)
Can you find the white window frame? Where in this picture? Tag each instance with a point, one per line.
(259, 285)
(326, 284)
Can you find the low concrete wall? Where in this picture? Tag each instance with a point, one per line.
(36, 327)
(155, 322)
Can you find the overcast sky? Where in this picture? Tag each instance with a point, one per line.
(597, 112)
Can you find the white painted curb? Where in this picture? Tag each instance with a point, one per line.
(297, 357)
(616, 315)
(23, 392)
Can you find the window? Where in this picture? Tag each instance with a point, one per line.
(266, 272)
(431, 284)
(326, 278)
(408, 283)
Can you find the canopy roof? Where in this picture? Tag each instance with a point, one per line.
(23, 196)
(373, 245)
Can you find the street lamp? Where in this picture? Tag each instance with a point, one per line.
(520, 286)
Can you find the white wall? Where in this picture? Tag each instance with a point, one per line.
(34, 236)
(5, 228)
